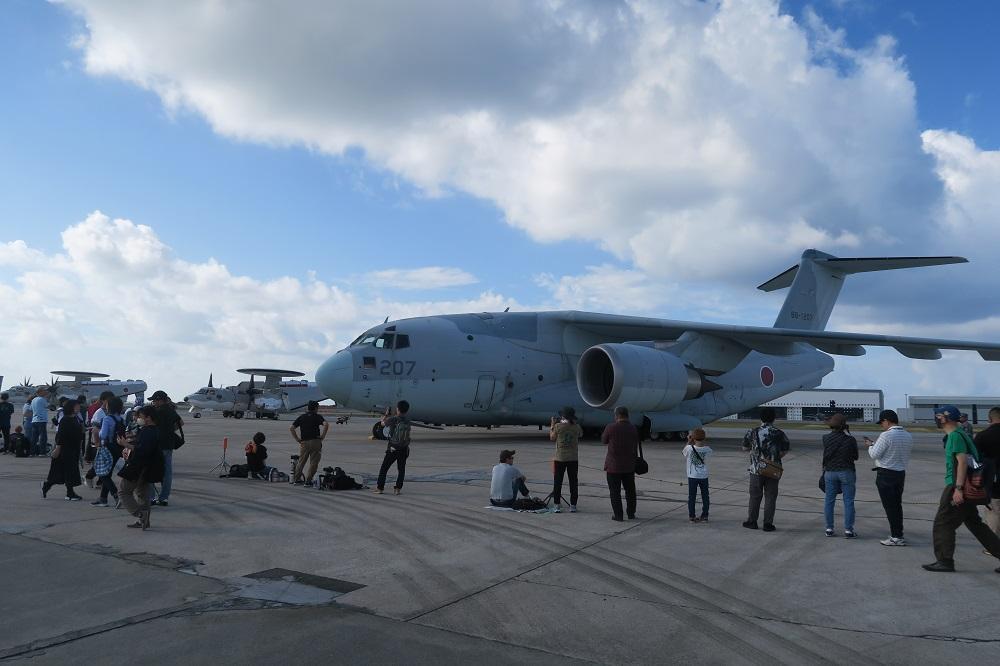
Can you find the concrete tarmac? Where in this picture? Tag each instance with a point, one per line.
(268, 573)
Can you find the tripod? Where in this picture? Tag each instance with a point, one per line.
(222, 463)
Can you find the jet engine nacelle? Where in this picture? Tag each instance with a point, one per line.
(641, 378)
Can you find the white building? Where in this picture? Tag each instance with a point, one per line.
(920, 408)
(818, 404)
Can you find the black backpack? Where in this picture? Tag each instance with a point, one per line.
(239, 471)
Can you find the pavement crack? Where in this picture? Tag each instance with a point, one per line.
(765, 618)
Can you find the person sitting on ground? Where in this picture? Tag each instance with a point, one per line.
(507, 481)
(697, 453)
(256, 455)
(20, 446)
(840, 450)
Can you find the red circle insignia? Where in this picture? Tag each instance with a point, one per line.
(766, 376)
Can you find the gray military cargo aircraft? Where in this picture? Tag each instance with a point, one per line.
(520, 368)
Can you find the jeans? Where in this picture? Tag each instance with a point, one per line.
(518, 487)
(168, 475)
(889, 483)
(766, 488)
(840, 481)
(948, 519)
(615, 483)
(399, 457)
(570, 468)
(39, 438)
(693, 486)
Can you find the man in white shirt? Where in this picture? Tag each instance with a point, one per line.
(40, 423)
(891, 453)
(507, 481)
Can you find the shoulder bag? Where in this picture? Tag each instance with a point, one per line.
(641, 466)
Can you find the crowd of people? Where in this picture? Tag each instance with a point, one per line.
(132, 450)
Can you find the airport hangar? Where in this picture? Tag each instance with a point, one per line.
(864, 405)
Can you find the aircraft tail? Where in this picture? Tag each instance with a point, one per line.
(816, 282)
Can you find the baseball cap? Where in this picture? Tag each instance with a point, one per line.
(950, 412)
(506, 453)
(159, 395)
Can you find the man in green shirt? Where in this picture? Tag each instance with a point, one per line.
(953, 510)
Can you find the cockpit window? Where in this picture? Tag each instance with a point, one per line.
(365, 339)
(402, 341)
(385, 341)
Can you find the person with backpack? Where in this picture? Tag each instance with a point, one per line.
(20, 445)
(64, 468)
(398, 448)
(953, 509)
(108, 452)
(256, 454)
(312, 431)
(143, 465)
(697, 452)
(171, 431)
(767, 446)
(566, 433)
(840, 450)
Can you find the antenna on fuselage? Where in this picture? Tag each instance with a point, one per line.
(507, 309)
(386, 320)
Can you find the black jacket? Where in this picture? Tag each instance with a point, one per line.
(840, 450)
(988, 444)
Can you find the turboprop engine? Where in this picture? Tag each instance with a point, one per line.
(642, 378)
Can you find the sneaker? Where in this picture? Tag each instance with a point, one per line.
(162, 503)
(829, 531)
(73, 498)
(98, 503)
(397, 491)
(617, 519)
(693, 519)
(572, 508)
(296, 483)
(749, 524)
(703, 519)
(850, 534)
(893, 541)
(769, 528)
(632, 517)
(556, 509)
(377, 491)
(940, 567)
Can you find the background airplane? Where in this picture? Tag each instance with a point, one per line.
(265, 399)
(90, 384)
(521, 368)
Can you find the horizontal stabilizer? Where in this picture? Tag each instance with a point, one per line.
(849, 266)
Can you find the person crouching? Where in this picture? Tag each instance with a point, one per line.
(507, 481)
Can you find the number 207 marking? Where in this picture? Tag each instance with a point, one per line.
(398, 368)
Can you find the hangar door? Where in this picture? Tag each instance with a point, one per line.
(484, 393)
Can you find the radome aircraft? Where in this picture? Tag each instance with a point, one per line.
(265, 401)
(520, 368)
(90, 384)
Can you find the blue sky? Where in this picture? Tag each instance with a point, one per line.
(271, 170)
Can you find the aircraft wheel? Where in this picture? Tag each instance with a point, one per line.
(660, 436)
(196, 415)
(237, 415)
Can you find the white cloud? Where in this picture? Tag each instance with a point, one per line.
(17, 254)
(429, 277)
(117, 299)
(660, 131)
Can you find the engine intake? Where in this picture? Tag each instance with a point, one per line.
(641, 378)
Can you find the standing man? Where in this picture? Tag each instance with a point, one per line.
(507, 481)
(988, 443)
(6, 411)
(765, 444)
(891, 453)
(312, 431)
(39, 423)
(398, 449)
(622, 440)
(953, 510)
(966, 426)
(170, 427)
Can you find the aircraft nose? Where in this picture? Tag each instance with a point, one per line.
(336, 375)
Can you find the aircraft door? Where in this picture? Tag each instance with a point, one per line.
(484, 393)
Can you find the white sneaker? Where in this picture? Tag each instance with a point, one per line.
(893, 541)
(572, 508)
(556, 509)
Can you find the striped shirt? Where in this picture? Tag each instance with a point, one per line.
(892, 449)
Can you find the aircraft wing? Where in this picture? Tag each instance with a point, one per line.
(768, 340)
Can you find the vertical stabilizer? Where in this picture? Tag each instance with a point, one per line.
(816, 282)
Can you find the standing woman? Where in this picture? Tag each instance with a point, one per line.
(566, 433)
(840, 450)
(64, 469)
(143, 465)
